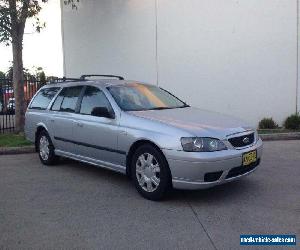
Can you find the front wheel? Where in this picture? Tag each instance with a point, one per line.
(150, 172)
(46, 149)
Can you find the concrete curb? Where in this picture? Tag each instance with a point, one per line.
(280, 136)
(17, 150)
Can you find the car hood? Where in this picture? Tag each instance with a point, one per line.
(196, 121)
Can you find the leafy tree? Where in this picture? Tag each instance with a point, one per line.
(13, 17)
(39, 74)
(2, 74)
(9, 73)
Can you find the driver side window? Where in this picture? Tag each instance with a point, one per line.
(93, 98)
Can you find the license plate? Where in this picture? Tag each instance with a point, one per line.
(249, 158)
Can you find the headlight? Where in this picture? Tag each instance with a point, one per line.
(202, 144)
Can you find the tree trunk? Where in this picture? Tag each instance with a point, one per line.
(18, 82)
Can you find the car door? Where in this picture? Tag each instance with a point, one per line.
(62, 118)
(97, 136)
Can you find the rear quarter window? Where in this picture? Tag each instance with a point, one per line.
(43, 98)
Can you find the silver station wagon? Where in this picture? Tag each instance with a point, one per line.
(142, 131)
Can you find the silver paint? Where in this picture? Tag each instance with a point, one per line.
(164, 128)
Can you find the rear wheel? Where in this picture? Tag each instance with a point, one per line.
(46, 149)
(150, 172)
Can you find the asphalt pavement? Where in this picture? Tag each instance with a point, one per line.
(74, 205)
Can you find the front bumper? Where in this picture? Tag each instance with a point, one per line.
(190, 170)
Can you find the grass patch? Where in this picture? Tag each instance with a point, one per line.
(276, 131)
(13, 140)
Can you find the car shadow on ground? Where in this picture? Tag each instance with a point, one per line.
(93, 171)
(226, 192)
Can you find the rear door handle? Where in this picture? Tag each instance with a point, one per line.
(79, 124)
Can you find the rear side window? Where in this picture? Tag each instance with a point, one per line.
(43, 98)
(57, 103)
(67, 99)
(93, 98)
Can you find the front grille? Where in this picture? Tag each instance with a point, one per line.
(242, 170)
(242, 141)
(212, 176)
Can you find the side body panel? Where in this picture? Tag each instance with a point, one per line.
(96, 138)
(60, 129)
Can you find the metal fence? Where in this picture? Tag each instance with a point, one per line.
(7, 101)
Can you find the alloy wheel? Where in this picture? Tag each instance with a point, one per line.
(148, 172)
(44, 148)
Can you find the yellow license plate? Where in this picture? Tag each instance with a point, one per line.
(249, 158)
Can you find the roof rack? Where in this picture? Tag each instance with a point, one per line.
(119, 77)
(65, 79)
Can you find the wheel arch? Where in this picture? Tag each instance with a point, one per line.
(39, 129)
(134, 147)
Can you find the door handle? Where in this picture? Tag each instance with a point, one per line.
(79, 124)
(52, 120)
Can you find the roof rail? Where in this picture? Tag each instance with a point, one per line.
(65, 79)
(119, 77)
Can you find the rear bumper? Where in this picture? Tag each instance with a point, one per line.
(194, 170)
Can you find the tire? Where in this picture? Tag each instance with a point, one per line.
(150, 173)
(46, 149)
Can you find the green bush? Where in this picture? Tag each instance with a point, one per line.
(292, 122)
(267, 123)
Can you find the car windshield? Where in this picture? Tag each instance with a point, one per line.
(138, 97)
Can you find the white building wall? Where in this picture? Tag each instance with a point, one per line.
(298, 55)
(110, 37)
(235, 57)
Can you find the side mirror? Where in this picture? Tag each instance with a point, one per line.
(102, 112)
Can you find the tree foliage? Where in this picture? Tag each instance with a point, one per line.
(36, 73)
(16, 12)
(13, 17)
(2, 74)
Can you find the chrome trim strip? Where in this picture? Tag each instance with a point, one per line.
(90, 145)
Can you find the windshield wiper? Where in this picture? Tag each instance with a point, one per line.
(160, 108)
(184, 106)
